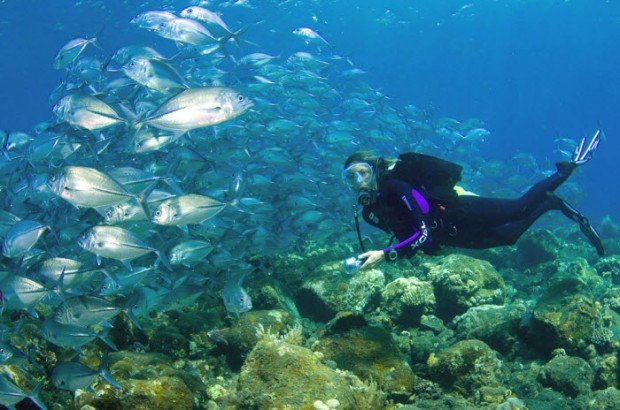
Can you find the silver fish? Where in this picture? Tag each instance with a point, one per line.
(71, 51)
(204, 15)
(185, 31)
(190, 253)
(22, 237)
(19, 293)
(198, 108)
(154, 74)
(151, 20)
(236, 299)
(116, 243)
(74, 375)
(87, 112)
(310, 36)
(147, 140)
(88, 188)
(10, 394)
(71, 336)
(186, 210)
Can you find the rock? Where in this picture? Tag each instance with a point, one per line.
(321, 298)
(609, 268)
(606, 372)
(462, 282)
(425, 343)
(148, 380)
(278, 374)
(565, 322)
(371, 354)
(569, 375)
(497, 326)
(466, 367)
(237, 341)
(405, 300)
(344, 321)
(537, 246)
(607, 399)
(169, 340)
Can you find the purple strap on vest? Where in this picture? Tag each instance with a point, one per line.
(422, 202)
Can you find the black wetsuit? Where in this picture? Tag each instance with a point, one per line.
(420, 222)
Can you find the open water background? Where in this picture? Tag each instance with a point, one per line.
(532, 70)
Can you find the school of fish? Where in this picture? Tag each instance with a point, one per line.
(156, 175)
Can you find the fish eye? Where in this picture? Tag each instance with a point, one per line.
(108, 214)
(240, 98)
(158, 213)
(190, 11)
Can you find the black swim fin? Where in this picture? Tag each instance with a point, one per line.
(584, 225)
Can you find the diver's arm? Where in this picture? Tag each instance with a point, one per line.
(409, 246)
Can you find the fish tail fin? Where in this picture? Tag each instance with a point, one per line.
(142, 197)
(132, 317)
(105, 374)
(103, 336)
(161, 257)
(94, 40)
(34, 396)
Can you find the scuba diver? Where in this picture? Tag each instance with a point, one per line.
(416, 199)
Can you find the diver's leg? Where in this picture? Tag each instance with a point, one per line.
(584, 225)
(539, 192)
(508, 233)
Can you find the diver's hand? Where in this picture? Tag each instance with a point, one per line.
(583, 153)
(373, 258)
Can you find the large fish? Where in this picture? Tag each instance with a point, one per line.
(88, 187)
(87, 112)
(198, 108)
(187, 210)
(74, 375)
(22, 237)
(154, 74)
(71, 336)
(185, 31)
(204, 15)
(71, 51)
(10, 394)
(116, 243)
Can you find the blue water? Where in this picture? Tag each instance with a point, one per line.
(530, 70)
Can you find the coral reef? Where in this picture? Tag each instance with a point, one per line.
(461, 282)
(571, 376)
(371, 354)
(467, 367)
(405, 300)
(279, 374)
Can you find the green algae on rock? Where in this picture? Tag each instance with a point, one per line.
(564, 322)
(405, 300)
(537, 246)
(462, 282)
(149, 381)
(321, 298)
(239, 339)
(569, 375)
(466, 367)
(497, 326)
(371, 354)
(278, 374)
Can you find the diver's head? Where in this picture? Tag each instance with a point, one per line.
(361, 177)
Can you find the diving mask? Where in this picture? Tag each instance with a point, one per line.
(358, 175)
